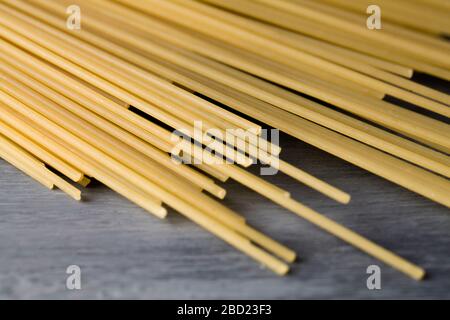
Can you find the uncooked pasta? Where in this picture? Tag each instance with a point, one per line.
(165, 101)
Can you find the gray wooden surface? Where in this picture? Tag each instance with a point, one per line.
(125, 253)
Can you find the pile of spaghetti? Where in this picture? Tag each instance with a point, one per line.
(102, 102)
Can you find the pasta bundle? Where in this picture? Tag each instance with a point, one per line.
(68, 100)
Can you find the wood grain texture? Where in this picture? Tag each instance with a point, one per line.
(125, 253)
